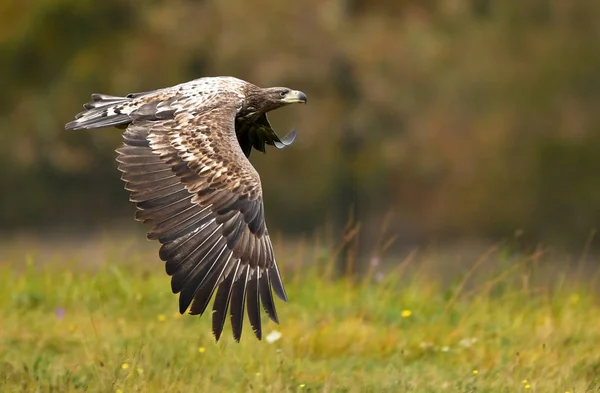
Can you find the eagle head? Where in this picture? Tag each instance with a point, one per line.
(276, 97)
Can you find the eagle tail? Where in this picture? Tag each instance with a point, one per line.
(103, 111)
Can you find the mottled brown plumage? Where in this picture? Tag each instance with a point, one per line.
(184, 160)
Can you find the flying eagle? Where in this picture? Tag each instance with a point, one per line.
(185, 162)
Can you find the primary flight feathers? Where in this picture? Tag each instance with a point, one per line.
(184, 160)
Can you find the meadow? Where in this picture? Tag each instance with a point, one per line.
(112, 326)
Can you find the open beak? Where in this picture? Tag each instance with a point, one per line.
(294, 96)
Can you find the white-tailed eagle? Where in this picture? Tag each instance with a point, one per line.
(185, 162)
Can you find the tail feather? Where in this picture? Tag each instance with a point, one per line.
(103, 111)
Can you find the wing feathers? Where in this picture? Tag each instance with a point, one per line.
(266, 297)
(238, 298)
(189, 263)
(133, 155)
(253, 304)
(155, 192)
(206, 288)
(164, 200)
(138, 169)
(203, 203)
(221, 303)
(151, 186)
(201, 283)
(276, 282)
(97, 118)
(179, 222)
(181, 248)
(147, 177)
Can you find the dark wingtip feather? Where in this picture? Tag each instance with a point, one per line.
(197, 293)
(197, 285)
(266, 297)
(276, 282)
(221, 303)
(184, 303)
(253, 305)
(238, 298)
(204, 290)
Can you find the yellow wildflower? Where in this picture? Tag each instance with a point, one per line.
(574, 298)
(406, 313)
(125, 366)
(475, 372)
(201, 349)
(161, 318)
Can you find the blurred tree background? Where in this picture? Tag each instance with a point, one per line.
(465, 118)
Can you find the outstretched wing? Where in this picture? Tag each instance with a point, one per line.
(203, 200)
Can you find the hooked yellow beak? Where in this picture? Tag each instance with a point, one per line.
(294, 96)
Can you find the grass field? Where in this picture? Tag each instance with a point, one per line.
(114, 328)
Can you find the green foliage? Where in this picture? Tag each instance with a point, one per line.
(115, 329)
(473, 117)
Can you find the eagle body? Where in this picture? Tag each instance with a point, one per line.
(185, 162)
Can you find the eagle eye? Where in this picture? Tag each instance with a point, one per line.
(282, 93)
